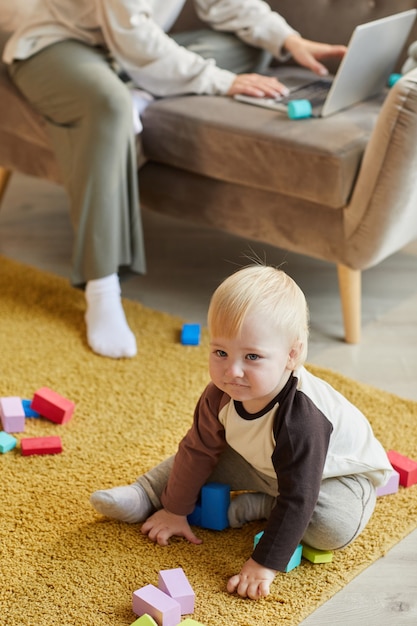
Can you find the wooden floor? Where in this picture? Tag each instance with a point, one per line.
(186, 263)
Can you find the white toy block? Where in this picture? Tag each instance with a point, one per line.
(175, 583)
(391, 486)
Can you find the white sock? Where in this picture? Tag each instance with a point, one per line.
(129, 503)
(108, 333)
(248, 507)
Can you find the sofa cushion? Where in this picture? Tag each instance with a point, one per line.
(315, 159)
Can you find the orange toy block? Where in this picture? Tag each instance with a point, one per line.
(407, 468)
(52, 405)
(40, 445)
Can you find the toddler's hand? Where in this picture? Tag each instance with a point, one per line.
(253, 581)
(162, 525)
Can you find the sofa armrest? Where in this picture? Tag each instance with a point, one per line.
(382, 214)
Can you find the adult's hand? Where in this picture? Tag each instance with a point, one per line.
(258, 86)
(309, 54)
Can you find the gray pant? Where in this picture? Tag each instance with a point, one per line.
(343, 509)
(88, 112)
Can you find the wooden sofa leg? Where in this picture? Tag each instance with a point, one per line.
(4, 181)
(350, 286)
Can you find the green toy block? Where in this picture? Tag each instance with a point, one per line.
(317, 556)
(190, 622)
(145, 620)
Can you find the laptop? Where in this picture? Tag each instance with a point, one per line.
(371, 56)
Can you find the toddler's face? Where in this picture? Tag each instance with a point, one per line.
(254, 366)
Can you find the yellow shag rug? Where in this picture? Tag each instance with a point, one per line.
(61, 562)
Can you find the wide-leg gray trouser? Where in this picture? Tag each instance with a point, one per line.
(344, 507)
(88, 111)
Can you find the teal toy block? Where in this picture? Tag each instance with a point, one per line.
(407, 468)
(391, 486)
(294, 561)
(175, 583)
(29, 412)
(152, 601)
(299, 109)
(145, 620)
(393, 78)
(317, 556)
(190, 334)
(7, 442)
(215, 501)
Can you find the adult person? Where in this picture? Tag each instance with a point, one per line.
(62, 60)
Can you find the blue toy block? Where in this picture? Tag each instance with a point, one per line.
(215, 500)
(29, 412)
(175, 583)
(190, 334)
(194, 518)
(294, 560)
(7, 442)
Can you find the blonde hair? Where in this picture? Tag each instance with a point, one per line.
(260, 288)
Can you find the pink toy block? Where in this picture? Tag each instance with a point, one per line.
(154, 602)
(175, 583)
(145, 620)
(40, 445)
(53, 406)
(391, 486)
(407, 468)
(12, 415)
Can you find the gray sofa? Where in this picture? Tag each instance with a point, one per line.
(343, 189)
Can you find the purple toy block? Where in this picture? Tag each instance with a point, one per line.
(12, 415)
(391, 486)
(407, 468)
(7, 442)
(154, 602)
(175, 583)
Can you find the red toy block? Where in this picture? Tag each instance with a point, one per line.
(53, 406)
(12, 415)
(407, 468)
(40, 445)
(154, 602)
(175, 583)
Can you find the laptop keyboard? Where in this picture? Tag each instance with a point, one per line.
(316, 92)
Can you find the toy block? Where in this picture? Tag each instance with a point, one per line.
(294, 561)
(7, 442)
(215, 500)
(190, 622)
(407, 468)
(391, 486)
(145, 620)
(190, 334)
(175, 583)
(154, 602)
(28, 411)
(194, 518)
(52, 405)
(12, 415)
(40, 445)
(317, 556)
